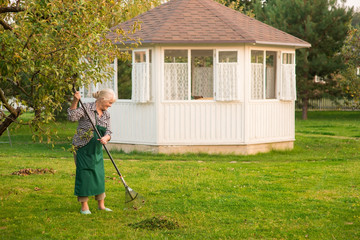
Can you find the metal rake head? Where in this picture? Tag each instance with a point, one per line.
(133, 200)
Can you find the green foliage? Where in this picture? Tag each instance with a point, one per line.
(47, 47)
(349, 79)
(236, 5)
(356, 19)
(322, 23)
(137, 7)
(124, 78)
(245, 6)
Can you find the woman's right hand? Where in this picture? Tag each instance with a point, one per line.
(75, 101)
(77, 95)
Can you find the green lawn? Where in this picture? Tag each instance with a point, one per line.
(311, 192)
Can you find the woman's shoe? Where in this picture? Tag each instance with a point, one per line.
(85, 212)
(106, 209)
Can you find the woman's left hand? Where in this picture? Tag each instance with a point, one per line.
(104, 139)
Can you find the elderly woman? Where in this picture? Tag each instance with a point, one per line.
(90, 175)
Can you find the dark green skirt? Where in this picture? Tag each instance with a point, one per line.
(90, 174)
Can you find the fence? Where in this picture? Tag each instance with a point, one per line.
(324, 104)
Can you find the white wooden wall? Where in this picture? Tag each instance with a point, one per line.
(201, 123)
(271, 121)
(133, 123)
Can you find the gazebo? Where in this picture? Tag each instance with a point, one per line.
(206, 79)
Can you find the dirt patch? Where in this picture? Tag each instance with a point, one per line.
(29, 171)
(156, 223)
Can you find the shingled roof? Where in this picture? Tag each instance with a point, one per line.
(204, 21)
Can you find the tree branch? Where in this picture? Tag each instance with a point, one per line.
(61, 49)
(5, 25)
(18, 85)
(57, 50)
(16, 8)
(6, 104)
(8, 27)
(18, 3)
(28, 40)
(32, 83)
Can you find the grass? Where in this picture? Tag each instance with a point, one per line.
(311, 192)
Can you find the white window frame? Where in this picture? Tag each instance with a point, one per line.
(146, 84)
(163, 73)
(216, 81)
(281, 93)
(277, 77)
(189, 71)
(216, 51)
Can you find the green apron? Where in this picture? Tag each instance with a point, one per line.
(90, 174)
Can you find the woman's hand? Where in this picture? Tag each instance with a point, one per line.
(105, 139)
(77, 95)
(76, 99)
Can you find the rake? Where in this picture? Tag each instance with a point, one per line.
(133, 200)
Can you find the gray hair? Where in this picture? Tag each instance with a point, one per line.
(104, 94)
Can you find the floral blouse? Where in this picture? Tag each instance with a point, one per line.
(85, 130)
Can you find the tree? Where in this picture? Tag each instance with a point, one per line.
(245, 6)
(136, 7)
(322, 23)
(50, 46)
(356, 19)
(350, 77)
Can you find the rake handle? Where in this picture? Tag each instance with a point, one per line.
(107, 151)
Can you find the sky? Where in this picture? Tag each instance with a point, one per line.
(353, 3)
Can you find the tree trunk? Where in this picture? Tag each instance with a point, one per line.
(305, 102)
(9, 120)
(37, 113)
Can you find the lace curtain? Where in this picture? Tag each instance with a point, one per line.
(226, 82)
(176, 81)
(203, 82)
(257, 81)
(288, 87)
(140, 82)
(270, 83)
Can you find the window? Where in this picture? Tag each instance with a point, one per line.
(195, 75)
(263, 74)
(109, 82)
(227, 56)
(124, 69)
(129, 77)
(140, 56)
(318, 79)
(288, 84)
(202, 69)
(227, 87)
(288, 58)
(270, 77)
(141, 76)
(176, 79)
